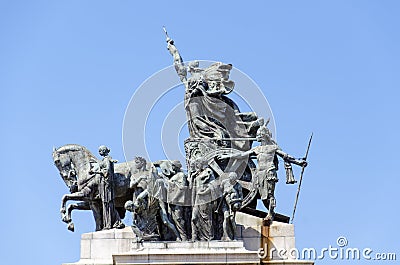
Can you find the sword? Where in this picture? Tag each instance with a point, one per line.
(166, 33)
(301, 179)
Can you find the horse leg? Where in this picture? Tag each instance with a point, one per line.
(75, 206)
(67, 217)
(76, 196)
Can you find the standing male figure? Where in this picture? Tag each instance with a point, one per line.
(266, 173)
(177, 195)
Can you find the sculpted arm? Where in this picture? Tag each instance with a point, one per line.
(142, 196)
(135, 181)
(291, 159)
(239, 154)
(178, 62)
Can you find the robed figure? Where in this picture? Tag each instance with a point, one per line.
(210, 114)
(111, 218)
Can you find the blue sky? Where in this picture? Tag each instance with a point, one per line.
(69, 68)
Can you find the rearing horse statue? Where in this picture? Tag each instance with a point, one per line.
(74, 163)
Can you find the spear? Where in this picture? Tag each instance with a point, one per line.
(301, 179)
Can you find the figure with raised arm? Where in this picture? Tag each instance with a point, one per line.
(210, 113)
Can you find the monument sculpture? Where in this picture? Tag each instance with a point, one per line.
(225, 174)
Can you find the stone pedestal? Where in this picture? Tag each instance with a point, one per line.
(213, 252)
(256, 244)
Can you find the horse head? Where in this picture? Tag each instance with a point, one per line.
(66, 169)
(73, 163)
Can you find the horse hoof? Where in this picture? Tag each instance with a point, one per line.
(65, 219)
(71, 227)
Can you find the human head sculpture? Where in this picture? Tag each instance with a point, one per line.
(129, 206)
(193, 66)
(176, 166)
(140, 162)
(199, 164)
(217, 79)
(166, 168)
(232, 178)
(104, 150)
(233, 198)
(263, 134)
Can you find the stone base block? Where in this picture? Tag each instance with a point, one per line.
(213, 252)
(120, 247)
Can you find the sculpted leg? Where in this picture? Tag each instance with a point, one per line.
(271, 212)
(177, 213)
(194, 220)
(226, 225)
(167, 222)
(271, 202)
(97, 210)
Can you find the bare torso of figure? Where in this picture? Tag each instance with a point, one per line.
(265, 156)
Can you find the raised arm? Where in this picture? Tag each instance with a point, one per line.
(178, 62)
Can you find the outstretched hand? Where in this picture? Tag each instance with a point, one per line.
(303, 163)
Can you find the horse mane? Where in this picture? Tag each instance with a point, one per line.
(71, 148)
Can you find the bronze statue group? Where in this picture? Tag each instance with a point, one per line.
(225, 172)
